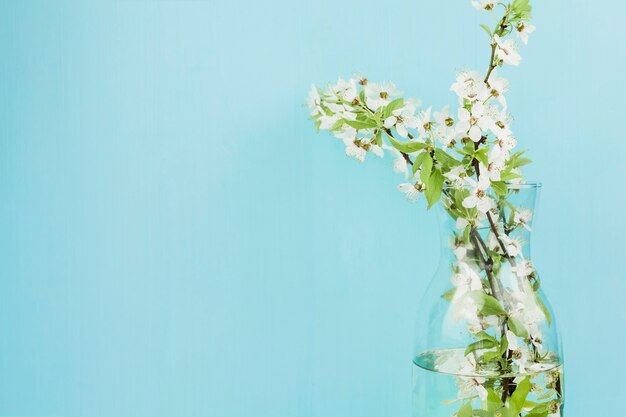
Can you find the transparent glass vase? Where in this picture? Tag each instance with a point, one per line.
(486, 339)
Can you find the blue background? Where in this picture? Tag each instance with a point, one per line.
(177, 241)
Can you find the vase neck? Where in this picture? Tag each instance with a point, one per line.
(508, 226)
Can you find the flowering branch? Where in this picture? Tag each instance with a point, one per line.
(466, 162)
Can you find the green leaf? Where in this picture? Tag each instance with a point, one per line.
(517, 327)
(490, 356)
(442, 157)
(486, 28)
(504, 345)
(517, 399)
(508, 176)
(337, 125)
(520, 162)
(449, 295)
(481, 155)
(481, 344)
(379, 138)
(406, 147)
(487, 305)
(493, 401)
(427, 166)
(500, 188)
(418, 161)
(485, 335)
(466, 234)
(434, 188)
(465, 410)
(394, 105)
(367, 124)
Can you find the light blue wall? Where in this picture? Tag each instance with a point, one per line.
(177, 241)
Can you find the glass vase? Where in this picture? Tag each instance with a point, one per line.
(486, 343)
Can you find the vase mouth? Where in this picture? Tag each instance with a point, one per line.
(531, 185)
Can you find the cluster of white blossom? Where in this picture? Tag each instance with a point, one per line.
(466, 157)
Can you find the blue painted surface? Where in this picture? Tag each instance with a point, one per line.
(177, 241)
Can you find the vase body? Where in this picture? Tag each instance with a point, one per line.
(486, 337)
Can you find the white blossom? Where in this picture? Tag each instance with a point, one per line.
(461, 223)
(327, 122)
(445, 130)
(399, 163)
(423, 121)
(484, 4)
(493, 171)
(523, 30)
(457, 176)
(460, 252)
(478, 197)
(403, 119)
(345, 90)
(470, 85)
(314, 101)
(411, 191)
(347, 132)
(497, 87)
(377, 95)
(523, 269)
(506, 51)
(513, 246)
(353, 150)
(343, 111)
(376, 150)
(523, 217)
(474, 123)
(465, 280)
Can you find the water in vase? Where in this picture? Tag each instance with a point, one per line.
(446, 383)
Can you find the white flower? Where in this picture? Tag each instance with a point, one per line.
(474, 123)
(423, 121)
(377, 150)
(525, 308)
(343, 111)
(457, 176)
(314, 101)
(484, 4)
(353, 150)
(523, 269)
(411, 191)
(478, 197)
(512, 341)
(473, 386)
(377, 95)
(327, 122)
(465, 308)
(523, 217)
(506, 51)
(346, 133)
(345, 89)
(492, 171)
(523, 30)
(460, 252)
(513, 246)
(445, 130)
(465, 280)
(403, 119)
(501, 151)
(399, 163)
(497, 87)
(461, 223)
(471, 86)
